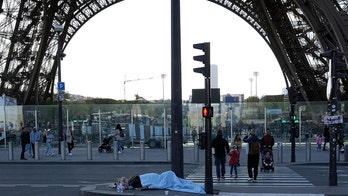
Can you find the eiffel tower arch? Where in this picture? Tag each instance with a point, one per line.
(297, 31)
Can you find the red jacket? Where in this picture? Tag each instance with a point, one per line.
(234, 157)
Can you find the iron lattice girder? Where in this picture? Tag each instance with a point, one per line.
(297, 31)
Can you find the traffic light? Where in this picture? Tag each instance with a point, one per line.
(297, 132)
(207, 111)
(202, 141)
(337, 65)
(205, 58)
(295, 119)
(294, 94)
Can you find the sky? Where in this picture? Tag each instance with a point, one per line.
(131, 41)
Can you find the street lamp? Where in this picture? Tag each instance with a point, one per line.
(256, 74)
(164, 114)
(58, 28)
(251, 86)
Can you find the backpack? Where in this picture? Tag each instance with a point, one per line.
(121, 133)
(254, 147)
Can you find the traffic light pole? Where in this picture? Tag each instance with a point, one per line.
(208, 151)
(292, 133)
(334, 73)
(333, 127)
(205, 59)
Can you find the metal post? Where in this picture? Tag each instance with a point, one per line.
(306, 148)
(62, 150)
(115, 150)
(292, 133)
(280, 152)
(59, 29)
(10, 151)
(308, 151)
(142, 150)
(89, 150)
(208, 150)
(176, 89)
(169, 149)
(196, 152)
(36, 148)
(346, 153)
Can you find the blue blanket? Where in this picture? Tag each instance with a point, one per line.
(168, 180)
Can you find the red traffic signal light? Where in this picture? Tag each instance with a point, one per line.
(207, 112)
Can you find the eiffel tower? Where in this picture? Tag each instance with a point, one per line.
(297, 31)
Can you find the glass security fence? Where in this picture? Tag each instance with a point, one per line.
(152, 122)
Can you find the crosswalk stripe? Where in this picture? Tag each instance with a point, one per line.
(281, 177)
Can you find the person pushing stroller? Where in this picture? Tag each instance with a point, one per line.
(267, 143)
(106, 145)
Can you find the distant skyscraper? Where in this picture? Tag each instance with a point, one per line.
(214, 76)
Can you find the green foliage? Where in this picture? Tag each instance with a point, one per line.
(252, 99)
(273, 98)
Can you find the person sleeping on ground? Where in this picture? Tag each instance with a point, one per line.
(166, 180)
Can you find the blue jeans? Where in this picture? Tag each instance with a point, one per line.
(235, 170)
(119, 145)
(28, 148)
(220, 166)
(49, 150)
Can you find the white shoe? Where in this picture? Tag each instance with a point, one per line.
(70, 154)
(250, 179)
(119, 152)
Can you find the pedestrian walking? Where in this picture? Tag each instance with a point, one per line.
(118, 137)
(25, 139)
(267, 141)
(34, 137)
(69, 138)
(234, 161)
(319, 142)
(49, 139)
(253, 155)
(194, 135)
(28, 145)
(221, 149)
(326, 136)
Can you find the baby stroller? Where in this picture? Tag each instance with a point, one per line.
(106, 145)
(267, 160)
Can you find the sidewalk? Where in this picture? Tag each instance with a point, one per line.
(156, 156)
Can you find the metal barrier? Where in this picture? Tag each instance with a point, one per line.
(62, 150)
(169, 149)
(308, 151)
(280, 152)
(89, 150)
(10, 151)
(346, 153)
(115, 150)
(196, 152)
(142, 150)
(36, 150)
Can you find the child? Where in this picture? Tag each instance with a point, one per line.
(267, 159)
(234, 160)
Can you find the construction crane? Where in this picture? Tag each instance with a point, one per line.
(133, 80)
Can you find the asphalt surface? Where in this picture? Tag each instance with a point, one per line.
(308, 175)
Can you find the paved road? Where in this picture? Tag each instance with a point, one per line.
(49, 174)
